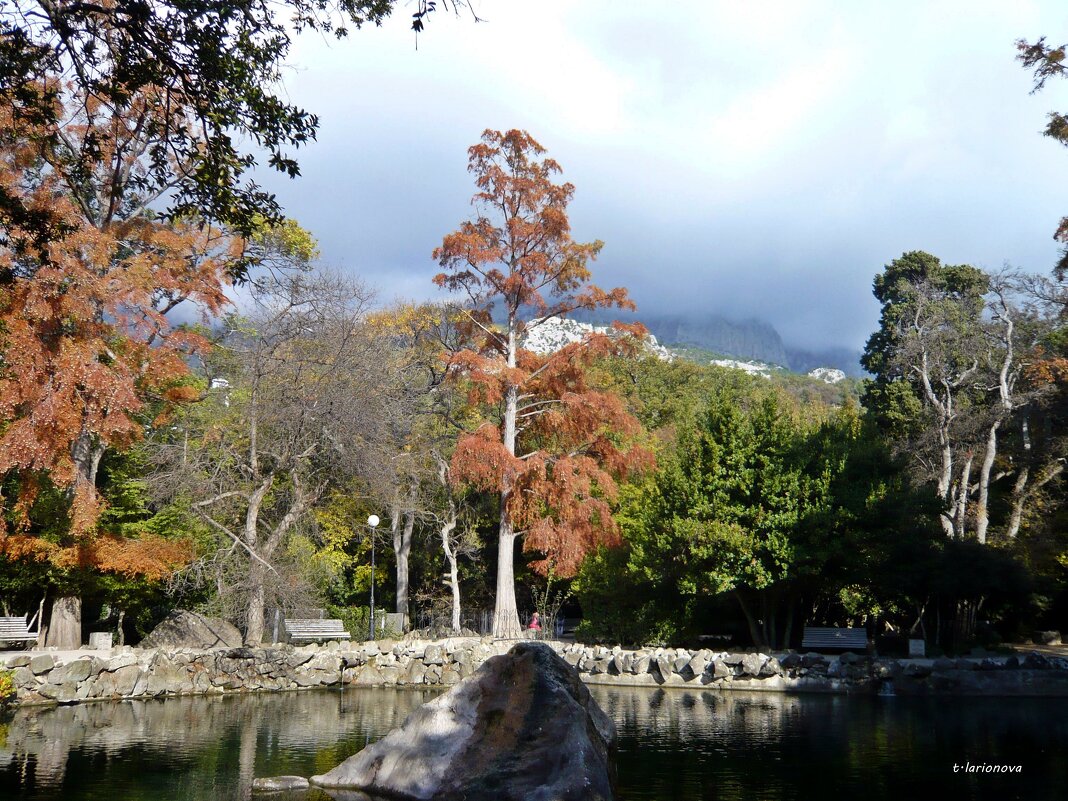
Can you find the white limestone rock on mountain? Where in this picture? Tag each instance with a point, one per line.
(761, 369)
(552, 334)
(829, 375)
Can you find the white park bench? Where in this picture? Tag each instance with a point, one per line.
(315, 630)
(17, 629)
(819, 639)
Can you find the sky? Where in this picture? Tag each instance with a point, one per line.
(747, 159)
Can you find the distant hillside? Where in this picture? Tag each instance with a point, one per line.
(746, 340)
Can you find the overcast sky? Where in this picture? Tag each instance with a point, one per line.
(754, 159)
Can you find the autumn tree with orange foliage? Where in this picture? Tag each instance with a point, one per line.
(550, 443)
(86, 347)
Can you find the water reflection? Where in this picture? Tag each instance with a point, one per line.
(195, 748)
(718, 745)
(674, 744)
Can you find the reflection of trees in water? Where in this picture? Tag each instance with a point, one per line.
(215, 736)
(675, 744)
(698, 715)
(703, 744)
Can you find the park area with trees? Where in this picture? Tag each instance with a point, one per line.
(196, 413)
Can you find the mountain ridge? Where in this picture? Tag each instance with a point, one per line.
(750, 339)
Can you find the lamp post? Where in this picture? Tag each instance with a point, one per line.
(372, 521)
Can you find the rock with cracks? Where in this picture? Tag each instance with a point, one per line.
(183, 629)
(522, 728)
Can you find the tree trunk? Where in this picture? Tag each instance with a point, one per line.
(945, 483)
(254, 622)
(257, 570)
(505, 615)
(1019, 489)
(1019, 498)
(754, 629)
(961, 512)
(791, 608)
(453, 577)
(65, 627)
(402, 547)
(982, 516)
(1022, 495)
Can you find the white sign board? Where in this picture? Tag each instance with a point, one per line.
(916, 648)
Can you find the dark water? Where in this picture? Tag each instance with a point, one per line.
(673, 745)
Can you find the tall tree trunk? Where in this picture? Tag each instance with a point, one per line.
(453, 576)
(960, 515)
(257, 572)
(754, 629)
(505, 615)
(254, 622)
(1019, 489)
(1019, 498)
(402, 547)
(65, 627)
(982, 516)
(791, 608)
(1022, 494)
(945, 486)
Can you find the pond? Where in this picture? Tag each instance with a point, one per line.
(674, 744)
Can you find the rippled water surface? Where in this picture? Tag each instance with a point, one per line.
(674, 744)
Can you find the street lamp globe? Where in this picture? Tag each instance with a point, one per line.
(372, 520)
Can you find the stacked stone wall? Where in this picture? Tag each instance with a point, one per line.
(43, 677)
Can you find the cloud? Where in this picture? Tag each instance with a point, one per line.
(749, 159)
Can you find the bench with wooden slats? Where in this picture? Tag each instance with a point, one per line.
(315, 630)
(16, 629)
(818, 639)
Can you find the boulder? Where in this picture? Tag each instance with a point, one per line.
(75, 672)
(697, 664)
(183, 629)
(276, 784)
(1048, 637)
(1033, 661)
(435, 655)
(42, 663)
(22, 678)
(770, 668)
(751, 664)
(719, 669)
(522, 727)
(664, 667)
(791, 661)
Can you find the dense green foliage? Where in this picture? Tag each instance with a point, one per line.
(927, 500)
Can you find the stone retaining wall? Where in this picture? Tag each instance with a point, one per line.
(43, 677)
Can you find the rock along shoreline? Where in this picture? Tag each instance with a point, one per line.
(43, 677)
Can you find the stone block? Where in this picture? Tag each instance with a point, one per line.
(42, 663)
(75, 671)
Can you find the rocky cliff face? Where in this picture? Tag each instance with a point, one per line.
(748, 339)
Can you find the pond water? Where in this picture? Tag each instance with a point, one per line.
(674, 744)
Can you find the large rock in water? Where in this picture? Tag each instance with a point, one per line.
(523, 727)
(182, 629)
